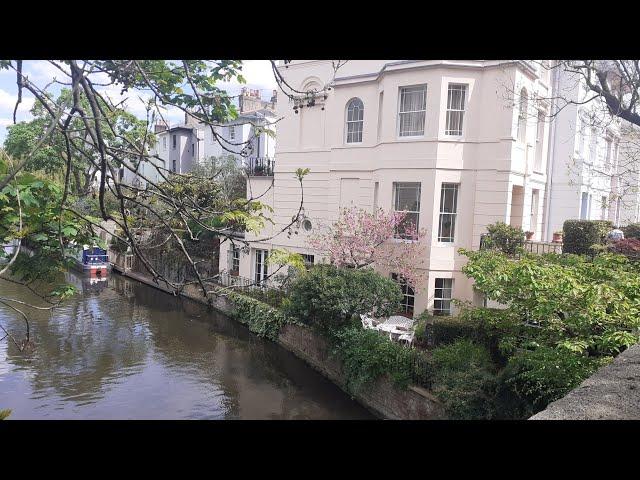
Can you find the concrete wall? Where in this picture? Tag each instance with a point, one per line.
(612, 393)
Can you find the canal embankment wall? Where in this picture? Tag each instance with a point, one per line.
(381, 397)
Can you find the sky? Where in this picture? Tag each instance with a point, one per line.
(257, 73)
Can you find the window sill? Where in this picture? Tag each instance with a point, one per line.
(409, 137)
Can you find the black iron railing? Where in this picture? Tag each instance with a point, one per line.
(260, 166)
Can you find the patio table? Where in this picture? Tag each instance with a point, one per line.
(396, 325)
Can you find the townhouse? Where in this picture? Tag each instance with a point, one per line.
(457, 144)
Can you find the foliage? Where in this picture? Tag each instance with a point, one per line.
(464, 379)
(260, 318)
(226, 172)
(271, 296)
(546, 374)
(632, 231)
(328, 296)
(629, 247)
(564, 301)
(504, 238)
(579, 236)
(446, 330)
(44, 226)
(279, 256)
(359, 239)
(366, 355)
(4, 414)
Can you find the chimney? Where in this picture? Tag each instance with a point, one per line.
(160, 127)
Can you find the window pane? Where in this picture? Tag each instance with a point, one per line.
(413, 104)
(448, 211)
(407, 197)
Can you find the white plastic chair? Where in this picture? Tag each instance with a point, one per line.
(407, 338)
(367, 322)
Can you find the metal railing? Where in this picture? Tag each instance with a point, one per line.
(539, 248)
(260, 166)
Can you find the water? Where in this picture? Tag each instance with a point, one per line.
(123, 350)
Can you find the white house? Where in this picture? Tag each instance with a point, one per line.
(459, 144)
(179, 148)
(584, 157)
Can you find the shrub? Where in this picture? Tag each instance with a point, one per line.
(329, 297)
(503, 237)
(447, 330)
(464, 379)
(4, 414)
(632, 231)
(579, 236)
(546, 374)
(367, 355)
(629, 247)
(260, 318)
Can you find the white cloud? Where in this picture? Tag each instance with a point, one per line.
(8, 102)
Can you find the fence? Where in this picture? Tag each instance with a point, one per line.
(260, 166)
(267, 292)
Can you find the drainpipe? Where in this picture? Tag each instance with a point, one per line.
(550, 155)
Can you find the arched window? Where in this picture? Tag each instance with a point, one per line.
(355, 120)
(522, 116)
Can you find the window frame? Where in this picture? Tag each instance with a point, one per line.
(440, 311)
(309, 260)
(174, 141)
(396, 186)
(232, 132)
(235, 260)
(259, 275)
(408, 303)
(354, 122)
(442, 213)
(523, 111)
(401, 89)
(449, 110)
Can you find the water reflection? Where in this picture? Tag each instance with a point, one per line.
(124, 350)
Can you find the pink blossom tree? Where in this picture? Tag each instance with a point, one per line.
(381, 239)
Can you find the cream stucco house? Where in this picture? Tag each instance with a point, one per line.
(460, 144)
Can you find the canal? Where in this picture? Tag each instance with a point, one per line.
(123, 350)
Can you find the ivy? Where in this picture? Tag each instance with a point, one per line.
(261, 319)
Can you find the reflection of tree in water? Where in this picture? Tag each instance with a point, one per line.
(259, 379)
(100, 336)
(84, 344)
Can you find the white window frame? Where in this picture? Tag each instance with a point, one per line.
(401, 90)
(309, 260)
(234, 260)
(408, 303)
(539, 160)
(174, 141)
(443, 288)
(603, 207)
(443, 214)
(261, 270)
(448, 131)
(397, 185)
(232, 132)
(523, 111)
(354, 122)
(164, 142)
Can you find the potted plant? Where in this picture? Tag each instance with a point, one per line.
(557, 236)
(529, 235)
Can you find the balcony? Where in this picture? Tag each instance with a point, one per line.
(538, 248)
(259, 166)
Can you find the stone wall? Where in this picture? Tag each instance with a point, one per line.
(612, 393)
(382, 397)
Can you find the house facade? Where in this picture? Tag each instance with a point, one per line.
(181, 147)
(457, 144)
(585, 158)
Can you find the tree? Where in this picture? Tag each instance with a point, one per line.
(90, 139)
(382, 239)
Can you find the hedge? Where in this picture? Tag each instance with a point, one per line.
(262, 319)
(580, 235)
(632, 230)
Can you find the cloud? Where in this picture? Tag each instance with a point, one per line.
(8, 102)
